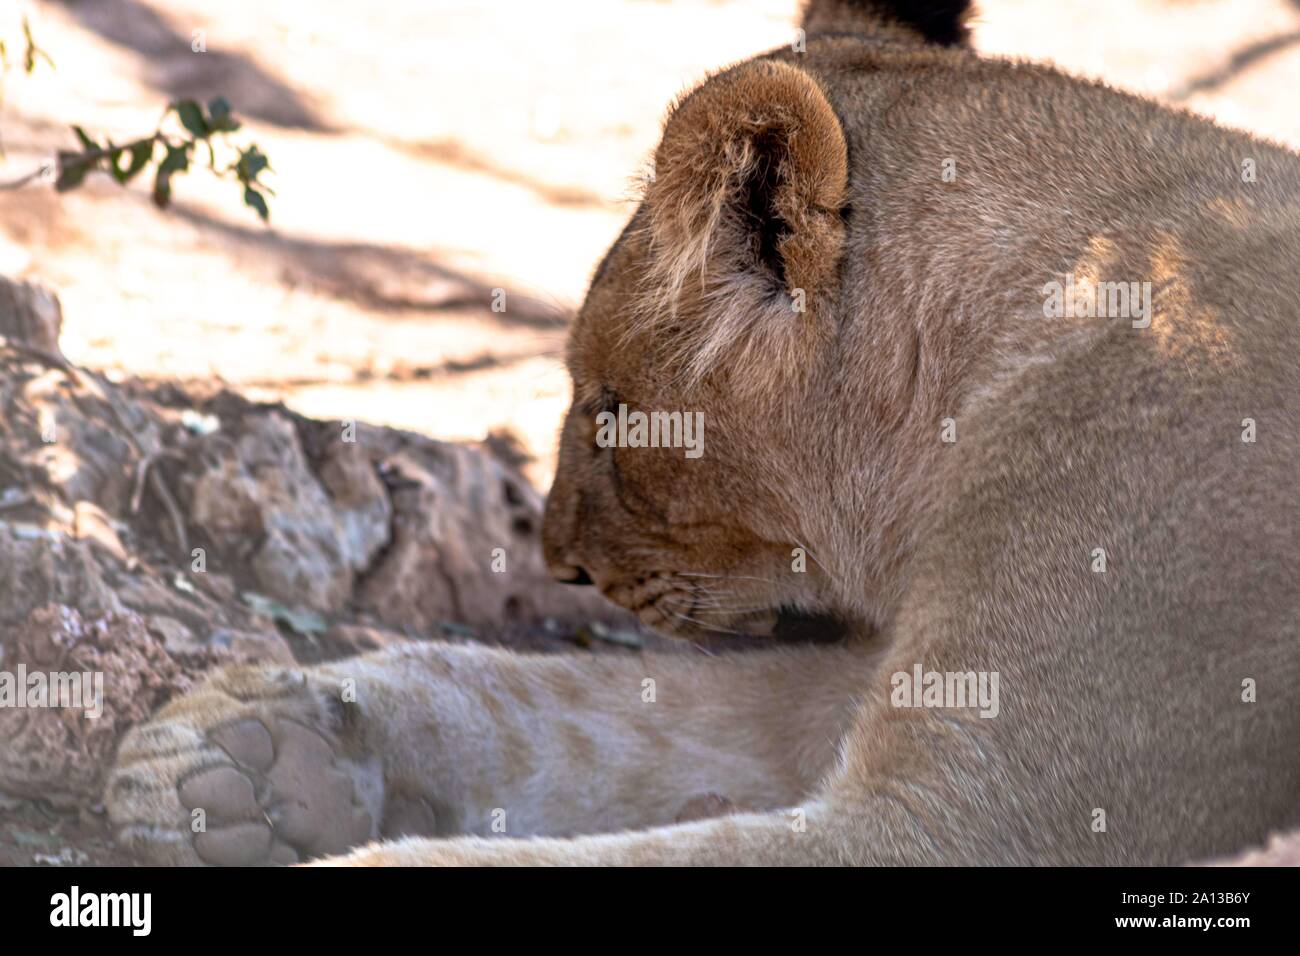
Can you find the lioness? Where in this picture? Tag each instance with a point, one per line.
(999, 373)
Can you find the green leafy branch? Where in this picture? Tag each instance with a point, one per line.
(202, 129)
(171, 153)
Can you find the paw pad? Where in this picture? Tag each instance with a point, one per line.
(256, 753)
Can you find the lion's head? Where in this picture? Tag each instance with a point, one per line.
(719, 315)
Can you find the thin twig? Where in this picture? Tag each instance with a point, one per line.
(37, 173)
(46, 358)
(173, 510)
(144, 469)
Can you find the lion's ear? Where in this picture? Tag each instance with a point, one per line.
(750, 177)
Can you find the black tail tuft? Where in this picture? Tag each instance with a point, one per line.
(938, 21)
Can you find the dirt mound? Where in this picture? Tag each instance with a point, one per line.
(149, 533)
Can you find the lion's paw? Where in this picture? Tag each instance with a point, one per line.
(256, 766)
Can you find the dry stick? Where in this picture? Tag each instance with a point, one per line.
(147, 470)
(48, 359)
(41, 170)
(155, 478)
(165, 496)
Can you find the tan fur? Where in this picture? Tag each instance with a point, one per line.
(696, 229)
(1120, 691)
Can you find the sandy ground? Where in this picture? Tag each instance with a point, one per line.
(427, 153)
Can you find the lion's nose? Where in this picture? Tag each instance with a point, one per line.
(571, 574)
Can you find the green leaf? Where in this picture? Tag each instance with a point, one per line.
(141, 153)
(162, 188)
(255, 199)
(219, 116)
(307, 623)
(252, 162)
(191, 115)
(177, 160)
(110, 162)
(86, 141)
(136, 159)
(73, 168)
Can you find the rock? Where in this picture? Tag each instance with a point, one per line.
(58, 753)
(30, 314)
(386, 538)
(465, 546)
(49, 567)
(176, 637)
(92, 523)
(304, 536)
(336, 518)
(75, 441)
(252, 647)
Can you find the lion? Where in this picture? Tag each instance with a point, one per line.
(999, 375)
